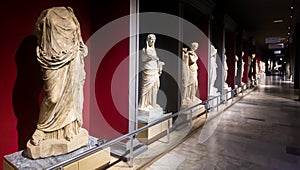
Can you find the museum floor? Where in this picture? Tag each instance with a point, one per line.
(260, 131)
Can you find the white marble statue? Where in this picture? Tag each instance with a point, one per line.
(152, 69)
(213, 71)
(225, 69)
(243, 67)
(236, 59)
(60, 52)
(189, 76)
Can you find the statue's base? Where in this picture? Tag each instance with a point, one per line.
(186, 116)
(151, 114)
(53, 147)
(98, 160)
(187, 104)
(244, 86)
(122, 149)
(155, 132)
(214, 100)
(227, 91)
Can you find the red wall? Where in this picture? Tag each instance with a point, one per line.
(112, 119)
(245, 59)
(202, 52)
(230, 54)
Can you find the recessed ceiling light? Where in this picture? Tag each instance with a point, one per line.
(277, 21)
(292, 7)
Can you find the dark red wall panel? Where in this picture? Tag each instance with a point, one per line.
(230, 54)
(245, 59)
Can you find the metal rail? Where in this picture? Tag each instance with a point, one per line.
(132, 134)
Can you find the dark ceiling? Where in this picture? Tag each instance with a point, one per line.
(257, 16)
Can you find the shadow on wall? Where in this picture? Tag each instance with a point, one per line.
(27, 89)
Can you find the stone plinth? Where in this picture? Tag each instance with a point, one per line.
(189, 104)
(100, 159)
(244, 86)
(150, 115)
(213, 102)
(184, 118)
(227, 92)
(155, 132)
(53, 147)
(122, 149)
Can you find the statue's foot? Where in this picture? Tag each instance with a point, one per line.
(150, 107)
(157, 106)
(37, 137)
(144, 109)
(69, 134)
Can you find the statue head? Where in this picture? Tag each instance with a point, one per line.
(213, 51)
(236, 58)
(194, 46)
(151, 40)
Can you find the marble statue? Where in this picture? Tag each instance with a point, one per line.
(236, 59)
(152, 70)
(189, 76)
(243, 67)
(60, 52)
(213, 71)
(225, 69)
(287, 70)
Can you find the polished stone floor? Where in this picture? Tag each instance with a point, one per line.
(260, 131)
(257, 130)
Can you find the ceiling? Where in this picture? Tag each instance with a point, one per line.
(257, 16)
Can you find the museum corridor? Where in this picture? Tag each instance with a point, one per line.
(261, 131)
(150, 85)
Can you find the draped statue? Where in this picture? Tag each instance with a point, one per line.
(225, 69)
(189, 76)
(60, 52)
(213, 71)
(152, 69)
(243, 67)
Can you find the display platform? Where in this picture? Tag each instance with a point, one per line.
(122, 149)
(98, 160)
(155, 132)
(53, 147)
(244, 86)
(227, 93)
(213, 103)
(184, 118)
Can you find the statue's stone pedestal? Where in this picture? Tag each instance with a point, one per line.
(184, 118)
(213, 103)
(122, 149)
(244, 86)
(240, 89)
(227, 92)
(98, 160)
(150, 115)
(53, 147)
(155, 132)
